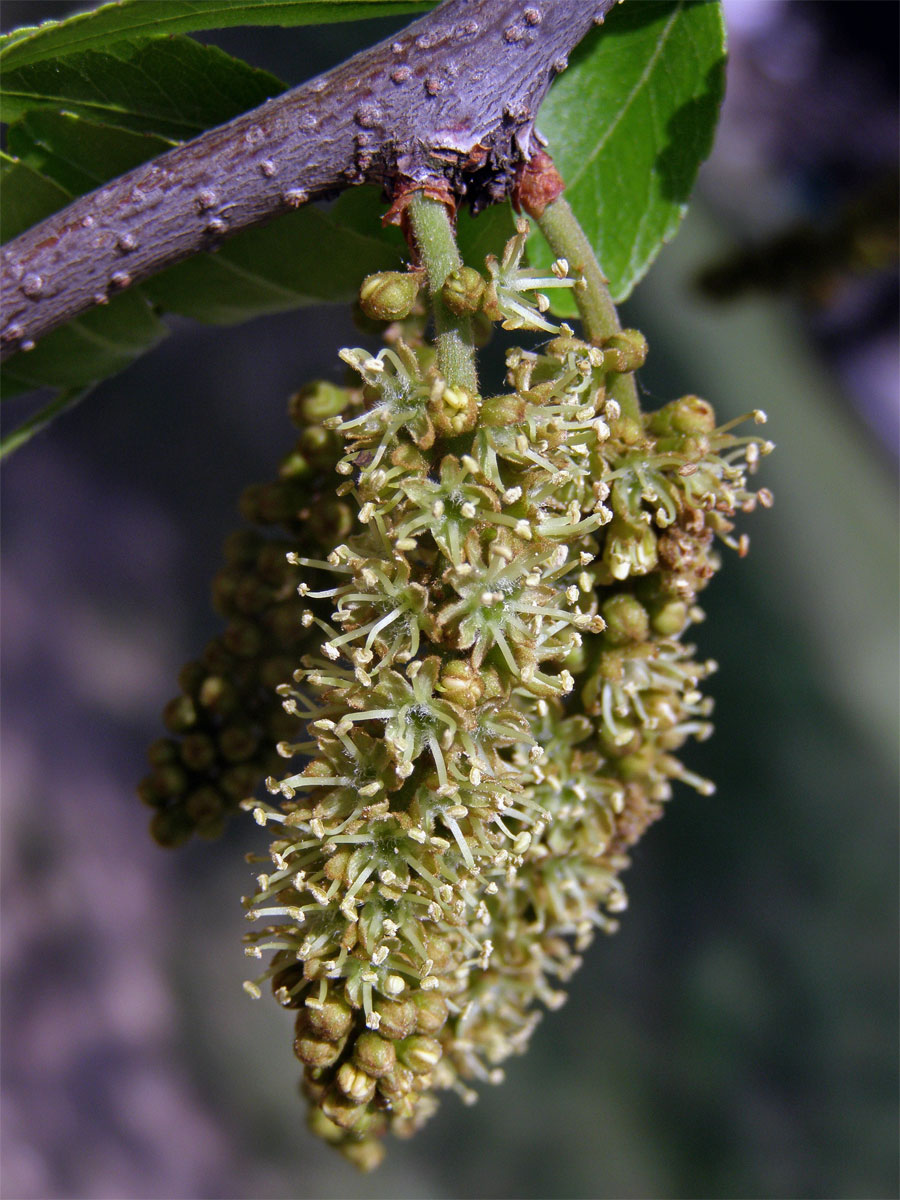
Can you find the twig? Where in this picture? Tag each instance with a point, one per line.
(454, 96)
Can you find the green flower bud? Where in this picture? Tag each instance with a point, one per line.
(162, 752)
(180, 715)
(689, 415)
(204, 806)
(462, 291)
(625, 351)
(242, 638)
(627, 430)
(502, 411)
(431, 1012)
(355, 1083)
(365, 1154)
(461, 683)
(239, 782)
(170, 780)
(630, 549)
(238, 742)
(317, 402)
(149, 794)
(198, 751)
(398, 1018)
(339, 1109)
(317, 1052)
(388, 295)
(325, 1129)
(190, 677)
(374, 1054)
(669, 618)
(217, 695)
(420, 1053)
(170, 828)
(626, 620)
(331, 1019)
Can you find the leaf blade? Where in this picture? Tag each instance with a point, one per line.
(23, 433)
(173, 88)
(110, 23)
(653, 77)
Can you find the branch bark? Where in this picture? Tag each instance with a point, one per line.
(452, 99)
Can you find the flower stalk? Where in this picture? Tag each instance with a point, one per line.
(566, 238)
(435, 242)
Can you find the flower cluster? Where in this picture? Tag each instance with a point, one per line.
(228, 719)
(489, 692)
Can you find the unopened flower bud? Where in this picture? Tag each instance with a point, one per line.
(398, 1018)
(365, 1154)
(626, 620)
(179, 714)
(625, 351)
(330, 1020)
(689, 415)
(355, 1083)
(420, 1054)
(670, 618)
(461, 683)
(431, 1012)
(503, 410)
(341, 1110)
(630, 549)
(388, 295)
(316, 1052)
(316, 402)
(463, 290)
(374, 1054)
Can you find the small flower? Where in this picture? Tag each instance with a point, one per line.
(505, 298)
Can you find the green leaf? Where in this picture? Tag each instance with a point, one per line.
(28, 197)
(41, 419)
(99, 343)
(485, 234)
(629, 124)
(312, 256)
(77, 154)
(111, 23)
(171, 87)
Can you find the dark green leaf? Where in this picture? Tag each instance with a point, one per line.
(79, 155)
(485, 234)
(101, 342)
(172, 87)
(41, 419)
(629, 124)
(308, 257)
(104, 26)
(28, 197)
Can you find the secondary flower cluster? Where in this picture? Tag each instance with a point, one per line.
(225, 724)
(488, 712)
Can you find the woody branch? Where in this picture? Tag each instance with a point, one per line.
(449, 102)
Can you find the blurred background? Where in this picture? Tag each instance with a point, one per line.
(738, 1037)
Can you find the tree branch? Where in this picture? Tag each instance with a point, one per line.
(452, 98)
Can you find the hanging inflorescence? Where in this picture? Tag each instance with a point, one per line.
(488, 689)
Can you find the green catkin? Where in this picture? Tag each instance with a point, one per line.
(225, 725)
(486, 707)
